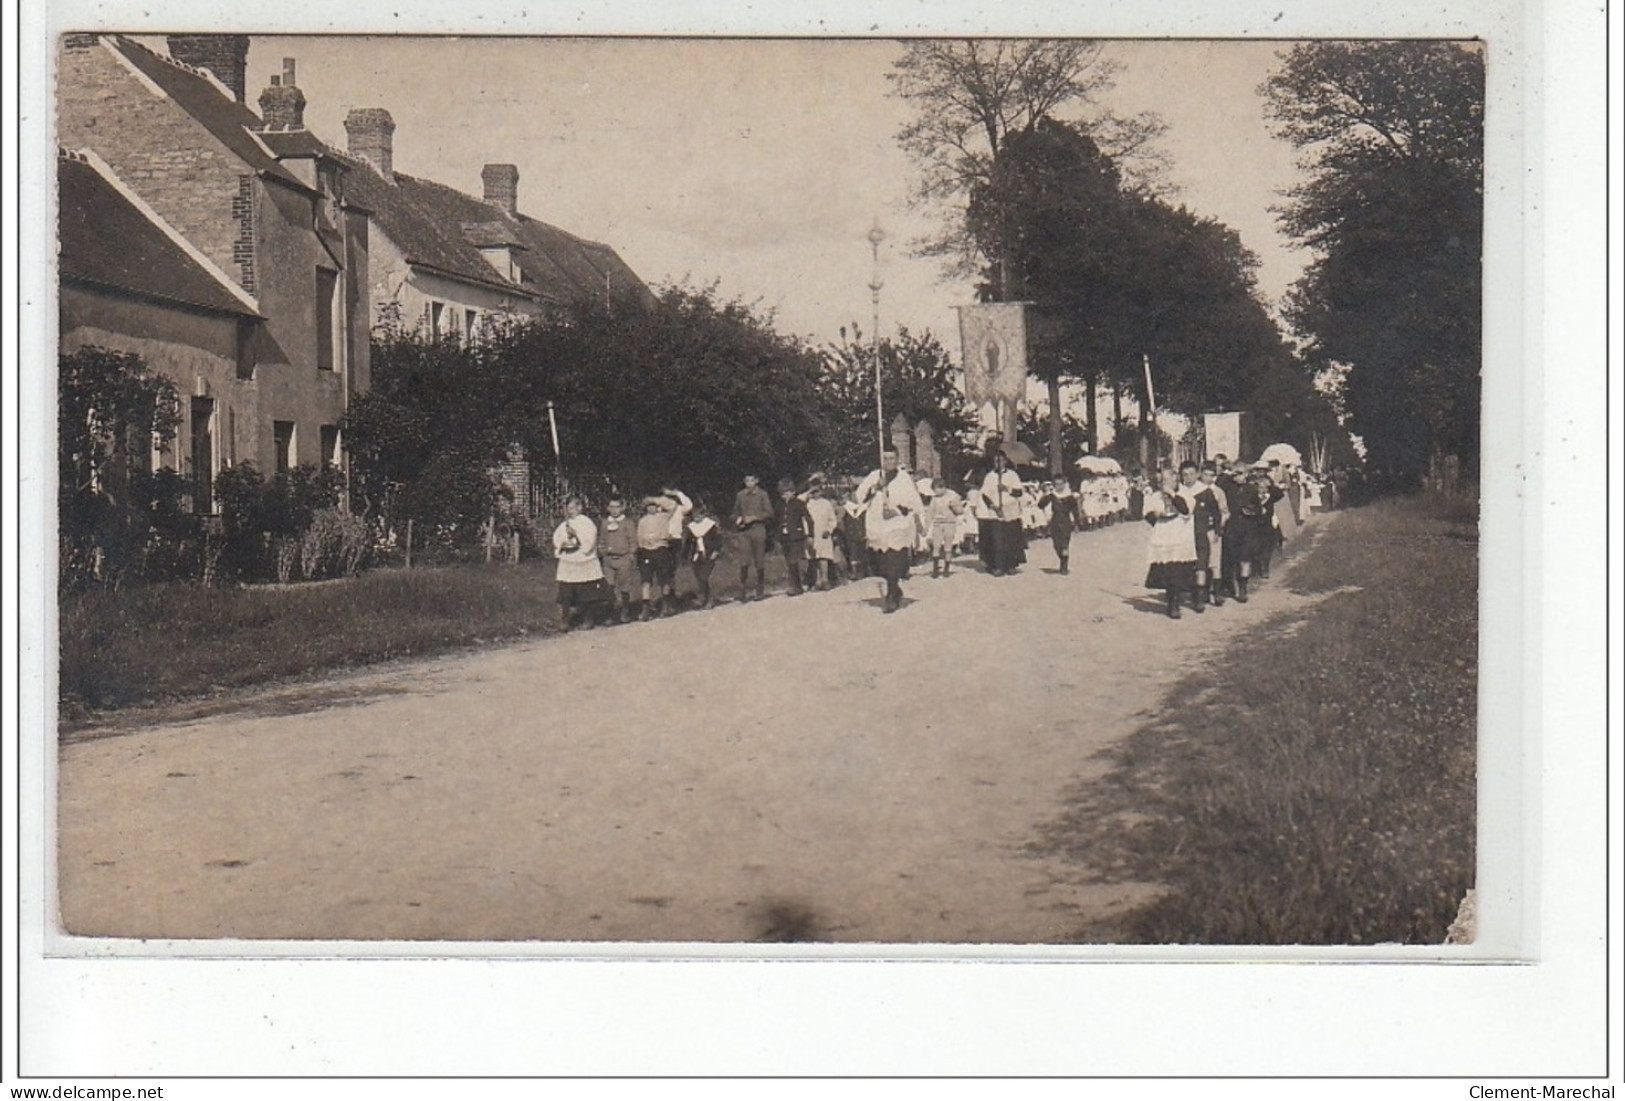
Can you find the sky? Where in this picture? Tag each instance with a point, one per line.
(759, 165)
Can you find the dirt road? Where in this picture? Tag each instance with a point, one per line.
(794, 769)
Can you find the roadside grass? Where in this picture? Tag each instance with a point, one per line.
(175, 642)
(1316, 784)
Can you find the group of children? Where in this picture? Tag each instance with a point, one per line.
(625, 567)
(1214, 527)
(604, 569)
(1212, 530)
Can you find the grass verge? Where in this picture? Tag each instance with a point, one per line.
(1316, 784)
(168, 643)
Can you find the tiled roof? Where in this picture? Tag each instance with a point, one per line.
(491, 235)
(293, 143)
(231, 123)
(425, 221)
(436, 226)
(574, 266)
(441, 228)
(108, 238)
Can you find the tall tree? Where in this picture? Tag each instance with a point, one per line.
(969, 95)
(1392, 137)
(686, 388)
(1192, 308)
(918, 380)
(1054, 212)
(1115, 276)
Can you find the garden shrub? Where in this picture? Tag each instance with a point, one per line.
(118, 519)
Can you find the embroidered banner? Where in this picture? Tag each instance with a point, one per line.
(1223, 432)
(993, 342)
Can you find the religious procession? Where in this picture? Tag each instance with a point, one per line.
(1213, 528)
(1213, 525)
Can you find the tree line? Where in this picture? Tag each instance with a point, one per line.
(1046, 197)
(688, 389)
(1049, 197)
(1392, 209)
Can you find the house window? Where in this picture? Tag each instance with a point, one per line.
(437, 318)
(202, 426)
(327, 182)
(330, 445)
(162, 455)
(245, 347)
(327, 283)
(287, 448)
(473, 320)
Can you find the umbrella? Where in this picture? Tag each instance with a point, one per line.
(1099, 464)
(1018, 452)
(1283, 453)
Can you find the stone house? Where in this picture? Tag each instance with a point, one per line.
(267, 334)
(446, 262)
(130, 282)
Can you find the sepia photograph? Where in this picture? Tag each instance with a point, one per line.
(949, 492)
(1048, 541)
(706, 491)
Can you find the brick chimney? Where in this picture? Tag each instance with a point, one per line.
(502, 186)
(282, 105)
(371, 134)
(224, 55)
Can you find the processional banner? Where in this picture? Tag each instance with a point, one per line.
(993, 343)
(1223, 432)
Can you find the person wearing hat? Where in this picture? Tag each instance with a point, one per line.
(1063, 517)
(753, 511)
(893, 518)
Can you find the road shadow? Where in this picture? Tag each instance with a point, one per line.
(879, 602)
(786, 921)
(1145, 602)
(249, 704)
(1122, 827)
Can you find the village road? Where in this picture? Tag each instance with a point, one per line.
(797, 768)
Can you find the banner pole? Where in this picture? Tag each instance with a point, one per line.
(553, 428)
(877, 235)
(1151, 403)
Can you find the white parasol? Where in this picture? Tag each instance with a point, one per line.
(1283, 453)
(1099, 464)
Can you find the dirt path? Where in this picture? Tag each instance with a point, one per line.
(793, 769)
